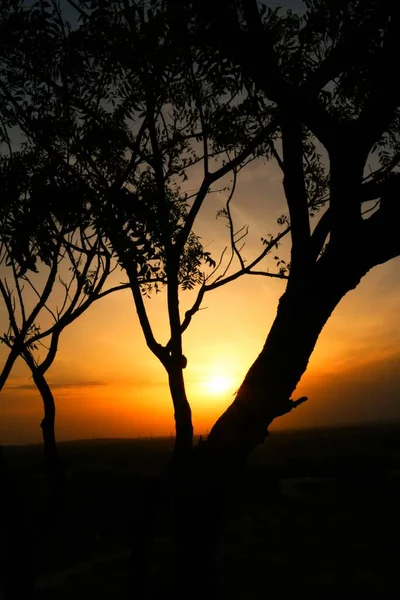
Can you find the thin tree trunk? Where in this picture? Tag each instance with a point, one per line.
(164, 489)
(54, 466)
(169, 488)
(180, 486)
(182, 415)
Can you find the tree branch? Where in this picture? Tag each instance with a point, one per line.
(319, 235)
(51, 354)
(217, 283)
(384, 98)
(258, 139)
(268, 274)
(5, 292)
(375, 189)
(230, 221)
(157, 349)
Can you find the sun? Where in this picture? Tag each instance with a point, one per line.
(218, 384)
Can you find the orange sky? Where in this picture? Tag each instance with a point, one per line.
(108, 384)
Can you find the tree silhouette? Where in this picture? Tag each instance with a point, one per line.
(122, 121)
(39, 226)
(328, 78)
(326, 74)
(136, 97)
(80, 273)
(51, 273)
(131, 117)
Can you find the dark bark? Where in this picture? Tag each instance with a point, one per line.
(265, 392)
(11, 358)
(182, 413)
(166, 489)
(54, 466)
(264, 395)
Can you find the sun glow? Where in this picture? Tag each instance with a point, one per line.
(218, 384)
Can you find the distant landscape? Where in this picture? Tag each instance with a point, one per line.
(336, 528)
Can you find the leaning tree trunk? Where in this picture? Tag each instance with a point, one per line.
(264, 395)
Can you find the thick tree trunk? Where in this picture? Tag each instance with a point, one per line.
(264, 395)
(265, 392)
(54, 466)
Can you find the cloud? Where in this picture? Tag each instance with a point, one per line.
(140, 383)
(366, 393)
(60, 385)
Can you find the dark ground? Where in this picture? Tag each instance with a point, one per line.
(338, 538)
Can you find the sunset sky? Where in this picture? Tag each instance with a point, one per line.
(108, 384)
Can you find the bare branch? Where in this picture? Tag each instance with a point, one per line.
(268, 274)
(47, 288)
(277, 157)
(264, 134)
(38, 294)
(51, 354)
(190, 313)
(217, 283)
(230, 222)
(18, 288)
(8, 365)
(384, 171)
(151, 342)
(371, 209)
(5, 292)
(219, 264)
(225, 270)
(122, 286)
